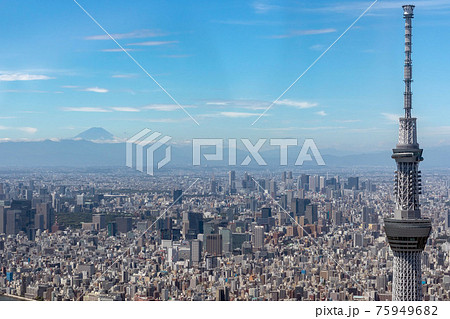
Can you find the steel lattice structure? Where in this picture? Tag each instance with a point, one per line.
(407, 232)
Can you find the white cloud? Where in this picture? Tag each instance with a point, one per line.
(123, 76)
(164, 107)
(130, 35)
(238, 114)
(70, 86)
(261, 7)
(391, 118)
(29, 130)
(85, 109)
(230, 114)
(153, 43)
(23, 77)
(125, 109)
(296, 33)
(245, 104)
(96, 90)
(298, 104)
(221, 103)
(321, 113)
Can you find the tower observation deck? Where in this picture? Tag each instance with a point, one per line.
(407, 232)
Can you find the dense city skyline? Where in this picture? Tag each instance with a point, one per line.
(127, 194)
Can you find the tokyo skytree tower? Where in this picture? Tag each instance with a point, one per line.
(407, 232)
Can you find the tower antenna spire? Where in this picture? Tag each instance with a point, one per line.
(407, 232)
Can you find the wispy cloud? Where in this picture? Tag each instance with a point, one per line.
(126, 109)
(123, 76)
(96, 90)
(229, 114)
(261, 7)
(23, 77)
(391, 118)
(129, 35)
(86, 109)
(321, 113)
(165, 107)
(29, 130)
(296, 33)
(237, 114)
(153, 43)
(298, 104)
(240, 103)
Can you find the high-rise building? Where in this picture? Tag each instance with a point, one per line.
(124, 224)
(193, 224)
(311, 213)
(2, 219)
(273, 188)
(232, 182)
(258, 237)
(313, 183)
(303, 181)
(177, 196)
(407, 232)
(266, 212)
(298, 206)
(226, 239)
(99, 221)
(353, 183)
(196, 251)
(13, 221)
(43, 216)
(336, 216)
(80, 200)
(447, 220)
(214, 244)
(222, 294)
(112, 229)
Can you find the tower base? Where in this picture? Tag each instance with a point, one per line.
(407, 281)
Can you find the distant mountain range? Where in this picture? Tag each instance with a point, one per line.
(88, 150)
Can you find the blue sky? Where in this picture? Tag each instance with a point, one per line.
(224, 62)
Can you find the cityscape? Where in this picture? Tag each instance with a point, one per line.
(229, 227)
(108, 235)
